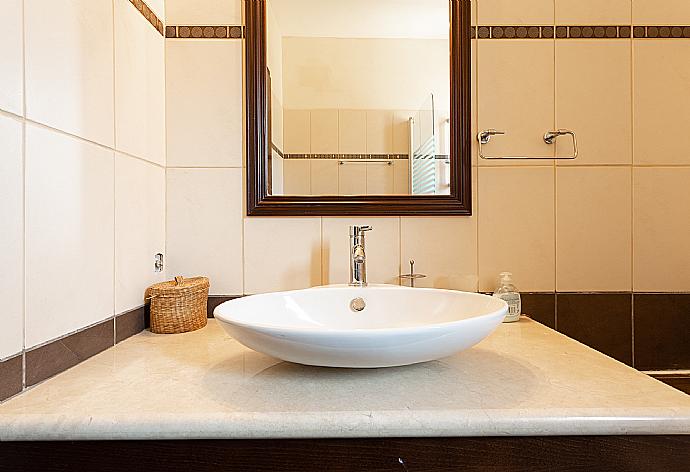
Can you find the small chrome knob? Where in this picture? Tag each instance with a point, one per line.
(358, 304)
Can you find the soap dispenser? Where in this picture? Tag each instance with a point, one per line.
(507, 292)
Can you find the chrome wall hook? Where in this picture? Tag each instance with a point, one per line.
(551, 136)
(484, 137)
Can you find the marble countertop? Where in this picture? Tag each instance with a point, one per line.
(524, 379)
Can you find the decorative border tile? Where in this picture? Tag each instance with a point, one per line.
(149, 15)
(346, 156)
(666, 32)
(205, 32)
(580, 32)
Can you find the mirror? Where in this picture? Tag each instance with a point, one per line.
(358, 107)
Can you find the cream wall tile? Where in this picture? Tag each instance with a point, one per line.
(11, 237)
(11, 58)
(297, 176)
(352, 179)
(324, 177)
(401, 131)
(297, 131)
(380, 178)
(661, 101)
(661, 261)
(401, 177)
(277, 125)
(595, 104)
(443, 248)
(661, 12)
(382, 246)
(69, 66)
(204, 103)
(139, 85)
(281, 254)
(516, 95)
(203, 12)
(593, 12)
(379, 132)
(511, 12)
(352, 132)
(69, 234)
(594, 229)
(516, 227)
(324, 131)
(158, 7)
(204, 226)
(139, 229)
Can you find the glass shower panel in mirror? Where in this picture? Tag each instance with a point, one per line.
(359, 97)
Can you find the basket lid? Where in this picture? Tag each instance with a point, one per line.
(180, 284)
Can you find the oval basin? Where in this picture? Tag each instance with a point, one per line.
(397, 326)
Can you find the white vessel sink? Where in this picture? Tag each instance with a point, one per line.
(398, 326)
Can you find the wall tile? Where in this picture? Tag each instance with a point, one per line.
(297, 177)
(661, 101)
(379, 132)
(204, 226)
(11, 58)
(324, 131)
(69, 234)
(662, 331)
(158, 7)
(401, 177)
(297, 131)
(445, 249)
(139, 85)
(203, 12)
(324, 176)
(203, 103)
(510, 12)
(69, 48)
(12, 374)
(661, 12)
(593, 12)
(593, 84)
(601, 321)
(352, 179)
(516, 227)
(382, 243)
(11, 236)
(379, 178)
(281, 254)
(660, 230)
(139, 229)
(594, 229)
(541, 307)
(131, 323)
(516, 95)
(401, 131)
(352, 132)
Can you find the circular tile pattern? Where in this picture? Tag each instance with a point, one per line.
(652, 32)
(665, 32)
(575, 32)
(587, 32)
(170, 32)
(184, 32)
(533, 32)
(236, 32)
(510, 32)
(611, 32)
(497, 32)
(561, 32)
(547, 32)
(483, 32)
(639, 32)
(624, 31)
(677, 32)
(521, 32)
(209, 32)
(221, 32)
(196, 32)
(686, 32)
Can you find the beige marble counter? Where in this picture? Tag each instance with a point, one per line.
(525, 379)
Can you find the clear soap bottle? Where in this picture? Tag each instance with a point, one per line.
(507, 292)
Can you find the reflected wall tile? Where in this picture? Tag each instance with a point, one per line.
(516, 227)
(297, 176)
(11, 58)
(324, 131)
(661, 12)
(352, 132)
(324, 177)
(380, 178)
(203, 12)
(511, 12)
(297, 131)
(352, 179)
(379, 132)
(383, 249)
(593, 12)
(281, 254)
(401, 131)
(401, 177)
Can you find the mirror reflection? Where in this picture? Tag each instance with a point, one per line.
(359, 100)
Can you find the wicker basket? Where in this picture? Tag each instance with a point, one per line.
(178, 306)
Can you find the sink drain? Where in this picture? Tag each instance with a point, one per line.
(358, 304)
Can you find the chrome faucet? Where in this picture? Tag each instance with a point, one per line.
(358, 256)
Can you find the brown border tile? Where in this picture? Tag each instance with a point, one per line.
(149, 16)
(581, 32)
(603, 321)
(680, 382)
(204, 31)
(348, 156)
(662, 331)
(540, 307)
(55, 357)
(130, 323)
(11, 373)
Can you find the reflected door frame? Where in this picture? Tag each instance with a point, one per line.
(258, 149)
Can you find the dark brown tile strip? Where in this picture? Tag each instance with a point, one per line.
(149, 15)
(665, 32)
(58, 356)
(130, 323)
(540, 307)
(215, 300)
(680, 382)
(580, 32)
(205, 32)
(278, 150)
(602, 321)
(662, 331)
(346, 156)
(11, 373)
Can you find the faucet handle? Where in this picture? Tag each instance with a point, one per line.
(359, 230)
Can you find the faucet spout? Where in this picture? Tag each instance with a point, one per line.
(358, 257)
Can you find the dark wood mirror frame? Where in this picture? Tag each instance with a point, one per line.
(260, 203)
